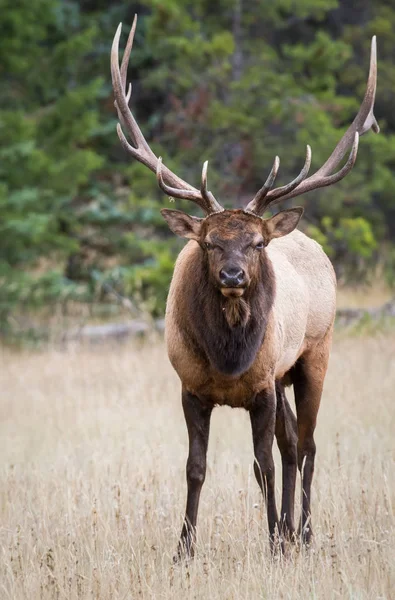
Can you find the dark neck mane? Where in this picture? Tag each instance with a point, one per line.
(230, 349)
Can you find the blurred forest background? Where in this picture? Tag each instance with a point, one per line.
(233, 81)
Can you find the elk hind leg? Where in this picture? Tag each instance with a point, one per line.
(287, 438)
(308, 379)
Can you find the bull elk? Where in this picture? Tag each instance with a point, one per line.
(250, 310)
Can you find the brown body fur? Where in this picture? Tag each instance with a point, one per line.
(299, 321)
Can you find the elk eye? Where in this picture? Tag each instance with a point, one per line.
(259, 246)
(208, 245)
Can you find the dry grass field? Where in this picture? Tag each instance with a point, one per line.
(92, 490)
(364, 296)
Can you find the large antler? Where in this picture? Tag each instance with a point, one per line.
(364, 121)
(168, 181)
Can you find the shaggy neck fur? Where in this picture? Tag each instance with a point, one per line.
(228, 332)
(237, 311)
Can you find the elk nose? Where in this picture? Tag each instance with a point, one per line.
(231, 276)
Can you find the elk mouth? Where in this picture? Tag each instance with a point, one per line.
(232, 292)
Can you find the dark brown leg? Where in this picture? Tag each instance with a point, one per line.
(197, 418)
(287, 438)
(308, 377)
(263, 420)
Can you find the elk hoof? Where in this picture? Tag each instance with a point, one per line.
(185, 552)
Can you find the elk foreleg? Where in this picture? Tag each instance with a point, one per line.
(263, 420)
(197, 418)
(287, 438)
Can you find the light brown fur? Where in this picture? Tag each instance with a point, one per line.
(302, 316)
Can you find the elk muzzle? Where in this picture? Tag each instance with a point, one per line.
(233, 281)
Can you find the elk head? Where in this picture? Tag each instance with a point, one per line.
(234, 240)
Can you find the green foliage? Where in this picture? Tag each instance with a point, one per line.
(233, 82)
(349, 242)
(389, 267)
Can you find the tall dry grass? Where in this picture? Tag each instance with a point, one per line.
(92, 490)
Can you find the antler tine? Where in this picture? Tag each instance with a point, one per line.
(255, 205)
(135, 152)
(129, 94)
(363, 122)
(181, 194)
(285, 189)
(329, 179)
(206, 194)
(140, 148)
(125, 62)
(119, 83)
(127, 52)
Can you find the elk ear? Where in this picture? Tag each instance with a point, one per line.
(282, 223)
(182, 224)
